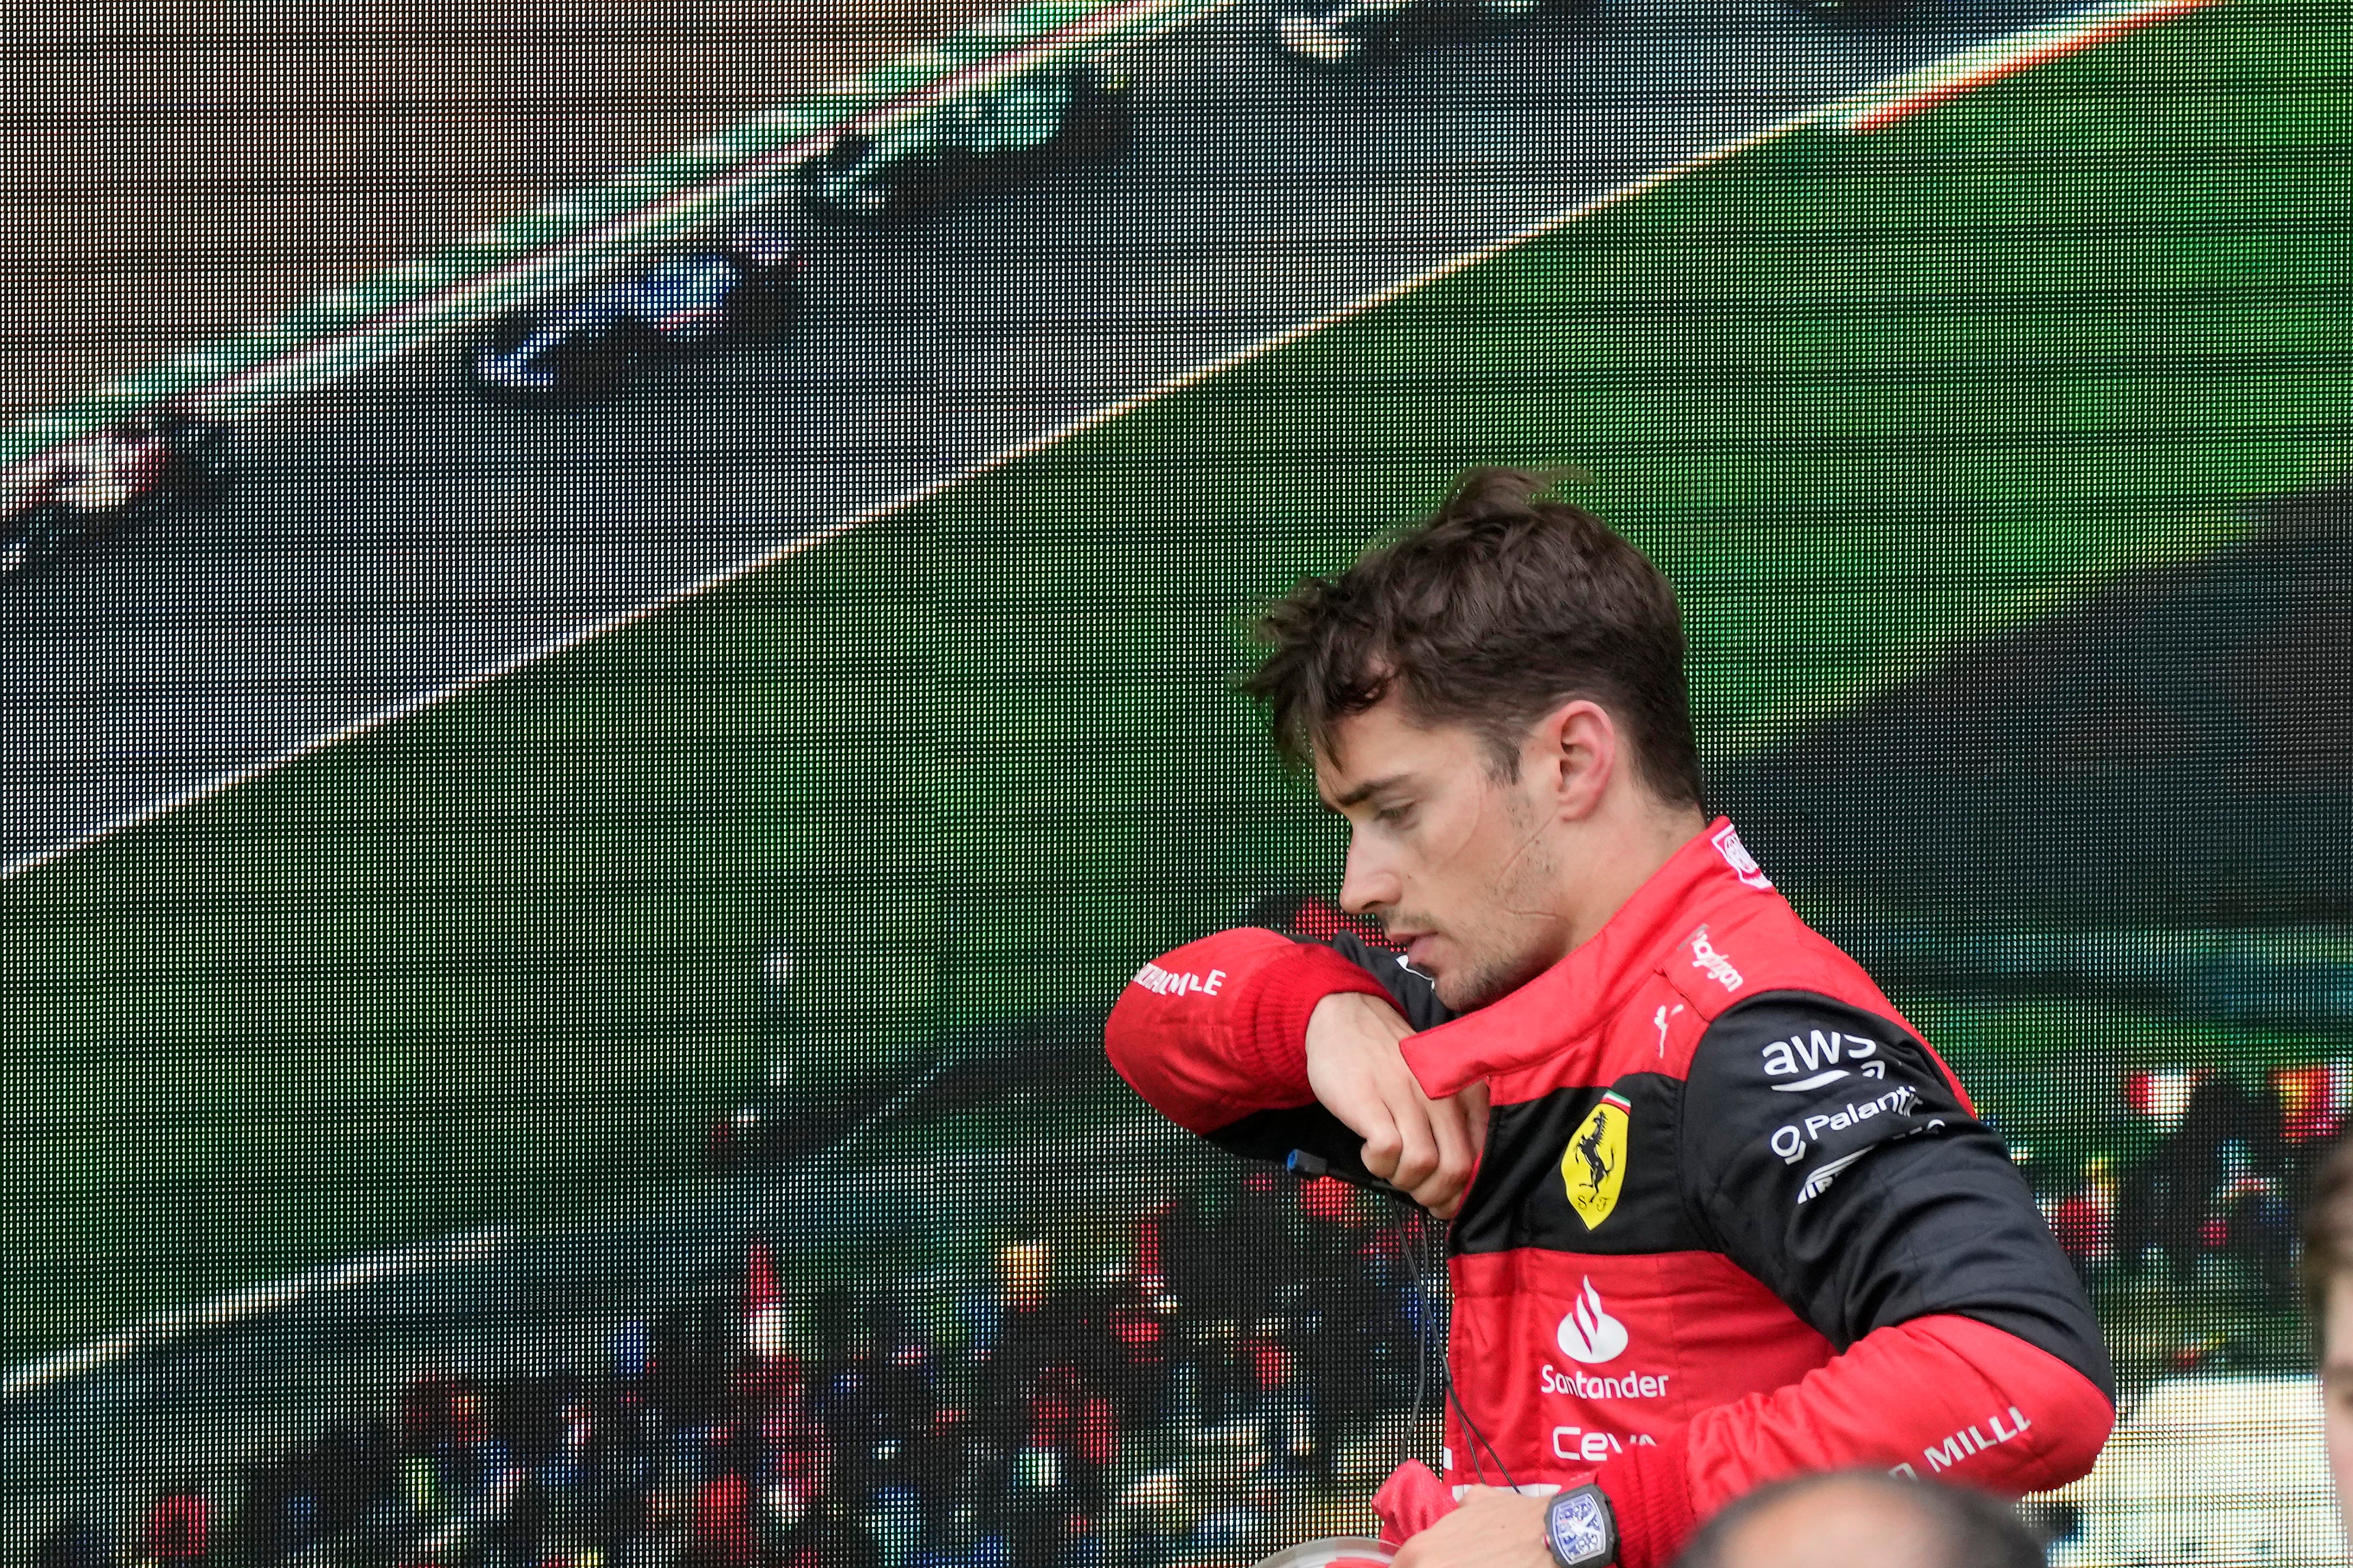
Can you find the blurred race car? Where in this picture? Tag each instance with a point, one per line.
(984, 138)
(1341, 33)
(749, 287)
(133, 469)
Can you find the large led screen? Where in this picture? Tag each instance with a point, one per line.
(620, 629)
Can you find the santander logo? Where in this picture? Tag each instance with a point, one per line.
(1589, 1334)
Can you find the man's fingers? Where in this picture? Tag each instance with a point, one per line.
(1451, 1131)
(1418, 1155)
(1474, 1103)
(1382, 1143)
(1426, 1148)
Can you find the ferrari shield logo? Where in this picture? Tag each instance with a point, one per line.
(1595, 1166)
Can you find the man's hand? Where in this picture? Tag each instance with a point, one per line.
(1425, 1146)
(1494, 1528)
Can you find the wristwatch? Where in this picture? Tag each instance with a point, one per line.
(1580, 1528)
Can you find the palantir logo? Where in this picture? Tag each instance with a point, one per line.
(1589, 1333)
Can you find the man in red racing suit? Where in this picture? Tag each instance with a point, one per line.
(1732, 1218)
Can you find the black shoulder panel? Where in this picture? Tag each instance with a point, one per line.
(1823, 1145)
(1583, 1169)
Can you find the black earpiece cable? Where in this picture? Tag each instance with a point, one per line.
(1310, 1167)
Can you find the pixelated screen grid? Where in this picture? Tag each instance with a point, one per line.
(529, 1042)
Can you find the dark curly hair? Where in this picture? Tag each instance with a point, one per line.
(1504, 604)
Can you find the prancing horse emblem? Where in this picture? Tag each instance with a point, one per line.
(1593, 1168)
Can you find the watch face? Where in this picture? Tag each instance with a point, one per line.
(1580, 1531)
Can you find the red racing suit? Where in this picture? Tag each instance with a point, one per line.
(1735, 1218)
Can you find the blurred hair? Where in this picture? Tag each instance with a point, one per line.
(2328, 1227)
(1971, 1529)
(1500, 606)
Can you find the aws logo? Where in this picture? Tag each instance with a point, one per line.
(1593, 1168)
(1818, 1053)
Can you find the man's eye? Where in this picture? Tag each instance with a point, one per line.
(1394, 816)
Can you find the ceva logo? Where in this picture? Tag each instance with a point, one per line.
(1589, 1334)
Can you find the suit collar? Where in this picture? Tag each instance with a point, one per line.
(1567, 1005)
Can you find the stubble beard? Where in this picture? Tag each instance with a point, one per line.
(1515, 948)
(1489, 980)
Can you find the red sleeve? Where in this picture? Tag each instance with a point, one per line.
(1217, 1029)
(1942, 1397)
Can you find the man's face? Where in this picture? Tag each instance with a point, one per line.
(2336, 1388)
(1458, 865)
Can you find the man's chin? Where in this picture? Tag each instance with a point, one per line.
(1461, 992)
(1466, 990)
(1460, 1005)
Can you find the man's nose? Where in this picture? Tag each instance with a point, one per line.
(1366, 887)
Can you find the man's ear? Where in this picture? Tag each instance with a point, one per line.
(1571, 756)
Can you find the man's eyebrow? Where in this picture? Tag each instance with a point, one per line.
(1364, 791)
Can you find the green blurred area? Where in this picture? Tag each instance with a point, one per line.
(1866, 398)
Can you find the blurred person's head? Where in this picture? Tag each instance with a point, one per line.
(2328, 1295)
(1495, 700)
(78, 1543)
(1864, 1519)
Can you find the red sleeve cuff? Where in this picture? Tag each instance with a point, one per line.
(1271, 1013)
(1649, 1493)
